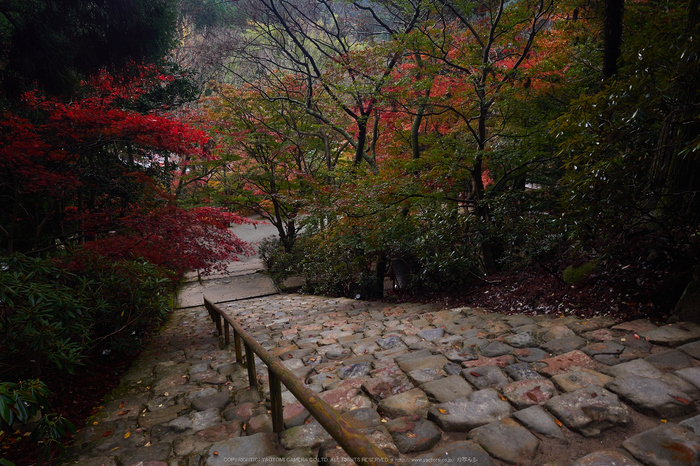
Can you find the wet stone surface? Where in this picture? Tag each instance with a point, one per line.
(507, 440)
(589, 410)
(421, 383)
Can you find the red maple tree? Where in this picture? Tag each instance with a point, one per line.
(96, 171)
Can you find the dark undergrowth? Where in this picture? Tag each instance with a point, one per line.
(75, 396)
(643, 278)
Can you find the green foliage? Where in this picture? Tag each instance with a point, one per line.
(279, 263)
(55, 43)
(25, 403)
(127, 299)
(20, 402)
(575, 275)
(631, 150)
(49, 315)
(342, 258)
(43, 313)
(208, 13)
(526, 225)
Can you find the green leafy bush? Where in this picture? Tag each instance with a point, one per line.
(50, 315)
(348, 256)
(25, 403)
(575, 275)
(279, 263)
(43, 315)
(127, 299)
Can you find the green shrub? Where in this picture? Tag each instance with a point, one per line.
(575, 275)
(26, 403)
(43, 317)
(343, 257)
(127, 299)
(279, 263)
(49, 315)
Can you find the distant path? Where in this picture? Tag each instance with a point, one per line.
(241, 280)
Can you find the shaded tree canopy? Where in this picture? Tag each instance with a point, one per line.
(54, 43)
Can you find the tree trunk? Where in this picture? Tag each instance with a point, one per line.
(612, 35)
(420, 113)
(378, 289)
(361, 140)
(482, 209)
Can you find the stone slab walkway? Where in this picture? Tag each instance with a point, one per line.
(425, 385)
(224, 289)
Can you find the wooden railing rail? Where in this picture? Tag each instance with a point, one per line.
(355, 444)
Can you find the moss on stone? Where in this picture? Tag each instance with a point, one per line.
(575, 275)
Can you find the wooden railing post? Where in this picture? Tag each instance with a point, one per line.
(250, 362)
(227, 338)
(237, 346)
(276, 401)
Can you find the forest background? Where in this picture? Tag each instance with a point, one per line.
(548, 151)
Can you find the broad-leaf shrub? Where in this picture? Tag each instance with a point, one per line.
(50, 315)
(438, 244)
(127, 300)
(631, 150)
(26, 403)
(43, 317)
(342, 258)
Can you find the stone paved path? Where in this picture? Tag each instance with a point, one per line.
(425, 385)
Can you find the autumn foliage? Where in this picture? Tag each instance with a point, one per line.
(95, 172)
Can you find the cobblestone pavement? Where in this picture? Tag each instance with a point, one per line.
(425, 385)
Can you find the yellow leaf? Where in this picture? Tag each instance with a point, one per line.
(664, 421)
(94, 423)
(127, 435)
(115, 448)
(442, 411)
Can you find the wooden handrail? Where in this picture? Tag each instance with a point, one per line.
(355, 444)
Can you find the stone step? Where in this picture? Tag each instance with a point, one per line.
(417, 380)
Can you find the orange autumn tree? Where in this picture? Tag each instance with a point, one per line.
(439, 124)
(466, 61)
(269, 150)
